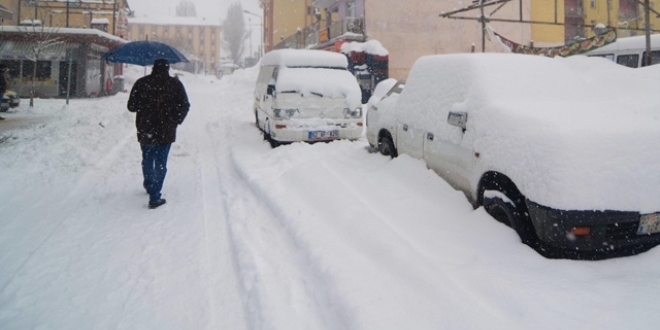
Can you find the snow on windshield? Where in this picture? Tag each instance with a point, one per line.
(333, 83)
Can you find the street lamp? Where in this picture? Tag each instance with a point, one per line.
(261, 32)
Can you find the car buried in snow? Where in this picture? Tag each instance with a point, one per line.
(9, 100)
(548, 146)
(308, 96)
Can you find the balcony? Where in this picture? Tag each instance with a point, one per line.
(351, 28)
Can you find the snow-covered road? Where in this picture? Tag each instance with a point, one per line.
(323, 236)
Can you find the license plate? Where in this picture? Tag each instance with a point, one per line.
(649, 224)
(323, 135)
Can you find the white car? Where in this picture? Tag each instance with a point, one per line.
(562, 150)
(379, 119)
(9, 100)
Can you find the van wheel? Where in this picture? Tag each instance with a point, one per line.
(256, 118)
(267, 137)
(386, 146)
(514, 216)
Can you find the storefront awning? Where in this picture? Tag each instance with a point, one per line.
(23, 50)
(5, 13)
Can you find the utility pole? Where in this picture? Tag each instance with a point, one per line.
(647, 18)
(114, 17)
(67, 13)
(483, 27)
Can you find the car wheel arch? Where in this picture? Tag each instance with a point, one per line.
(518, 214)
(385, 135)
(493, 180)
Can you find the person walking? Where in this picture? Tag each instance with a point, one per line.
(161, 104)
(4, 81)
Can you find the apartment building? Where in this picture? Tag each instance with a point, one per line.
(196, 38)
(288, 21)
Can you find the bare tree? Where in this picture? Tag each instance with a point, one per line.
(234, 33)
(42, 39)
(186, 8)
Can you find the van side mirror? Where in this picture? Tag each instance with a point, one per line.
(458, 119)
(270, 90)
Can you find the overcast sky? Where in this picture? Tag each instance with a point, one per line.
(209, 9)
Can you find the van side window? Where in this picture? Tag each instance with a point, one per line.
(630, 61)
(276, 72)
(655, 58)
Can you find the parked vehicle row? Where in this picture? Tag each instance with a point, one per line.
(545, 146)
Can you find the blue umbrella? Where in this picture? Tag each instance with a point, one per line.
(143, 52)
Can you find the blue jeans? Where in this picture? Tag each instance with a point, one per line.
(154, 168)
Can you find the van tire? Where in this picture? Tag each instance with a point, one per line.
(273, 143)
(386, 146)
(256, 118)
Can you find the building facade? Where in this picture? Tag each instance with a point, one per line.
(197, 39)
(414, 28)
(105, 15)
(68, 61)
(289, 21)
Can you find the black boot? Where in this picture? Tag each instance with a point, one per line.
(153, 205)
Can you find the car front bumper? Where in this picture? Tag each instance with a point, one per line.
(610, 231)
(349, 130)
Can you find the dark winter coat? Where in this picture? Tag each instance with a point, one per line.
(160, 103)
(3, 83)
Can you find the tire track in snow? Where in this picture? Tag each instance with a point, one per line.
(216, 227)
(280, 289)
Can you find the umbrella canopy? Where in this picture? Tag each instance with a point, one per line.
(144, 52)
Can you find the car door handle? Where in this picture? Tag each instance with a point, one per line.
(405, 127)
(429, 136)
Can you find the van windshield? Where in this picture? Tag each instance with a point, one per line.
(319, 82)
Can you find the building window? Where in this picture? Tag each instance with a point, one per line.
(350, 11)
(593, 3)
(43, 69)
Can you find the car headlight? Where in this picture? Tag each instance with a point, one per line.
(285, 113)
(357, 113)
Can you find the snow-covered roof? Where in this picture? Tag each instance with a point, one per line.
(100, 21)
(169, 20)
(370, 47)
(62, 31)
(304, 58)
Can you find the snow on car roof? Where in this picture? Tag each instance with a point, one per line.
(573, 131)
(304, 58)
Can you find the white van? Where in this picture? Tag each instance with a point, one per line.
(629, 51)
(307, 95)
